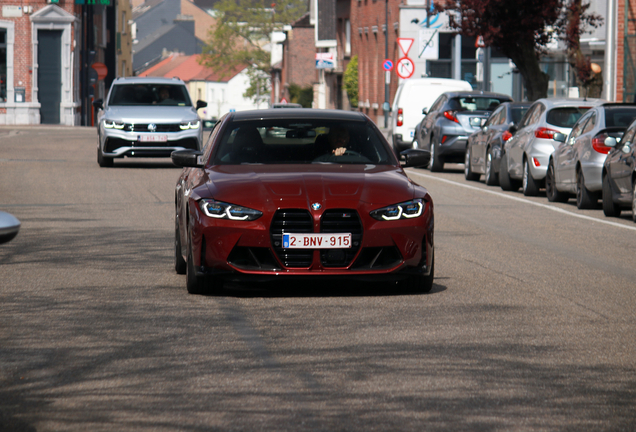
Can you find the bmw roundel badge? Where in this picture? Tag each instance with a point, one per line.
(316, 206)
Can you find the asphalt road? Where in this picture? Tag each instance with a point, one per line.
(530, 325)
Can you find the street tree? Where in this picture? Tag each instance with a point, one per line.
(521, 30)
(242, 38)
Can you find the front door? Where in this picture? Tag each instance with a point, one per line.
(50, 75)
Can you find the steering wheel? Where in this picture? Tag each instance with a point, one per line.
(349, 152)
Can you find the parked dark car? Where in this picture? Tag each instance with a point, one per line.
(286, 194)
(483, 151)
(619, 174)
(576, 165)
(452, 118)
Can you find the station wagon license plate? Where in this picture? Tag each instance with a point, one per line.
(153, 138)
(317, 241)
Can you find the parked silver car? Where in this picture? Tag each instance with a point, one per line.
(147, 117)
(525, 157)
(577, 163)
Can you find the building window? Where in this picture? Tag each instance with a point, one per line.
(347, 37)
(123, 22)
(3, 65)
(123, 68)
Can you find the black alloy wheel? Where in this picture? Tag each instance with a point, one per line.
(610, 208)
(551, 191)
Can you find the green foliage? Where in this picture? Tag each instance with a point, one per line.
(301, 95)
(350, 81)
(241, 37)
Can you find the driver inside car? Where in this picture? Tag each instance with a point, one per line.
(336, 142)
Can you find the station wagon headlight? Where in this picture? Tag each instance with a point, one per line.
(221, 210)
(110, 124)
(190, 125)
(405, 210)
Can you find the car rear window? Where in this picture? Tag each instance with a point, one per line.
(301, 141)
(150, 94)
(619, 117)
(517, 113)
(475, 103)
(565, 116)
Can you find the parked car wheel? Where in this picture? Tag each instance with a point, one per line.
(468, 174)
(436, 164)
(584, 198)
(553, 194)
(103, 161)
(529, 184)
(492, 178)
(505, 181)
(610, 209)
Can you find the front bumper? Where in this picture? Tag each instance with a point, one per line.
(384, 250)
(117, 143)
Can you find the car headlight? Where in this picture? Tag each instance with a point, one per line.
(110, 124)
(221, 210)
(190, 125)
(405, 210)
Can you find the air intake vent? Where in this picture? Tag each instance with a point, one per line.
(294, 221)
(341, 221)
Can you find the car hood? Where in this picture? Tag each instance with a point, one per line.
(150, 114)
(298, 186)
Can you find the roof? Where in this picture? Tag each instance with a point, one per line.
(299, 113)
(188, 69)
(146, 80)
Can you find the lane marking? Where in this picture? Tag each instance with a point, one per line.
(523, 200)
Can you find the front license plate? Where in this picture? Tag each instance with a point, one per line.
(153, 138)
(317, 241)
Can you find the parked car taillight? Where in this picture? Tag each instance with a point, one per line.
(506, 136)
(545, 133)
(451, 116)
(598, 143)
(400, 117)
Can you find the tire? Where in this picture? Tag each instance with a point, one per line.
(529, 184)
(584, 198)
(468, 174)
(436, 164)
(180, 265)
(194, 283)
(419, 283)
(551, 191)
(505, 181)
(103, 161)
(610, 209)
(634, 201)
(492, 178)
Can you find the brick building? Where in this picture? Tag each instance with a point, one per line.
(369, 32)
(625, 37)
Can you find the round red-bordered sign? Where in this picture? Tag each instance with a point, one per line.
(405, 68)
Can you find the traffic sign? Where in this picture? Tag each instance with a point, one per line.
(387, 65)
(405, 68)
(405, 44)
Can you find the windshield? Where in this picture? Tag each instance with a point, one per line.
(150, 94)
(302, 141)
(565, 117)
(475, 103)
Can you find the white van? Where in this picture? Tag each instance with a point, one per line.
(412, 96)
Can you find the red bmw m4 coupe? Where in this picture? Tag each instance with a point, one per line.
(301, 193)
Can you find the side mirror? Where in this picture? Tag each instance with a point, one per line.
(9, 227)
(201, 104)
(425, 110)
(99, 103)
(187, 158)
(559, 137)
(610, 142)
(513, 129)
(415, 157)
